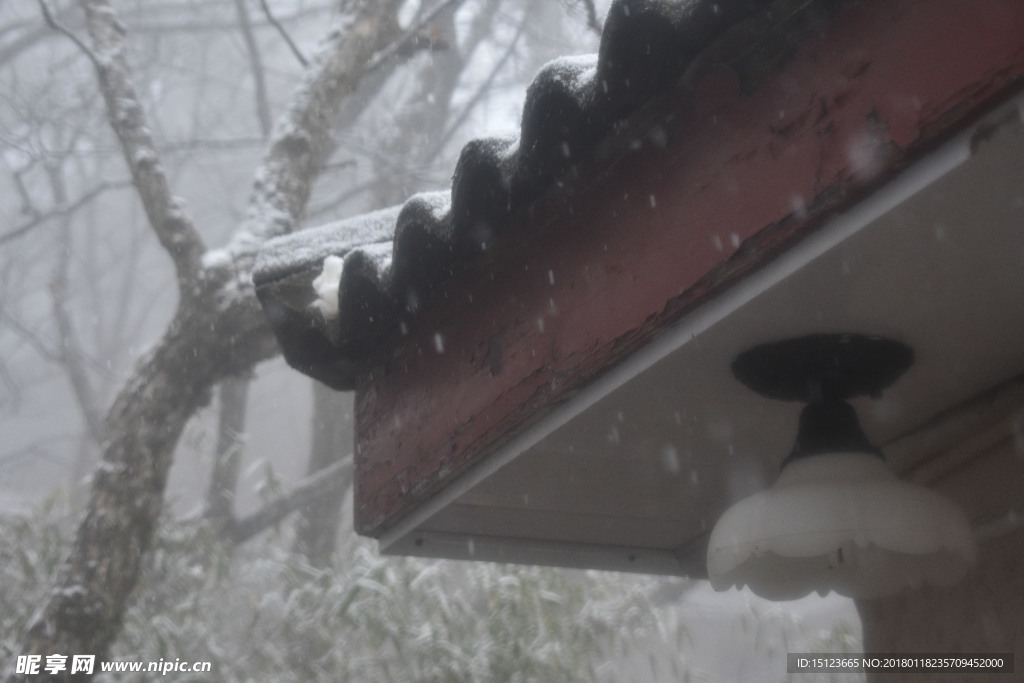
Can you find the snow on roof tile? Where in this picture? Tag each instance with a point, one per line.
(308, 248)
(394, 258)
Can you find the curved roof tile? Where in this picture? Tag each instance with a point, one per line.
(394, 258)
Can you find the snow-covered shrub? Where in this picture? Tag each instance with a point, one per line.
(260, 613)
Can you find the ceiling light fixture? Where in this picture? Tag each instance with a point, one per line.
(837, 518)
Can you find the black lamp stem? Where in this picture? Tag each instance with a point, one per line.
(830, 426)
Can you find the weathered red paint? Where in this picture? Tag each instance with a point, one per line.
(660, 232)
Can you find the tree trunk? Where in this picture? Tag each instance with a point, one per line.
(85, 612)
(316, 531)
(217, 332)
(233, 396)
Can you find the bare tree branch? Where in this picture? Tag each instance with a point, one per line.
(23, 42)
(165, 212)
(484, 88)
(309, 490)
(302, 142)
(13, 390)
(284, 33)
(170, 19)
(212, 143)
(61, 211)
(31, 337)
(256, 66)
(480, 28)
(319, 212)
(71, 355)
(400, 157)
(27, 205)
(413, 38)
(39, 450)
(218, 332)
(140, 18)
(60, 28)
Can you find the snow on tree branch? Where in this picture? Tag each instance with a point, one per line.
(166, 213)
(301, 142)
(217, 330)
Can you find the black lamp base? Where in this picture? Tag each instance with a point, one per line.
(819, 368)
(824, 371)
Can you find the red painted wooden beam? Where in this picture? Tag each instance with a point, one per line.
(723, 181)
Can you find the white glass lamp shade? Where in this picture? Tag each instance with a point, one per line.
(842, 522)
